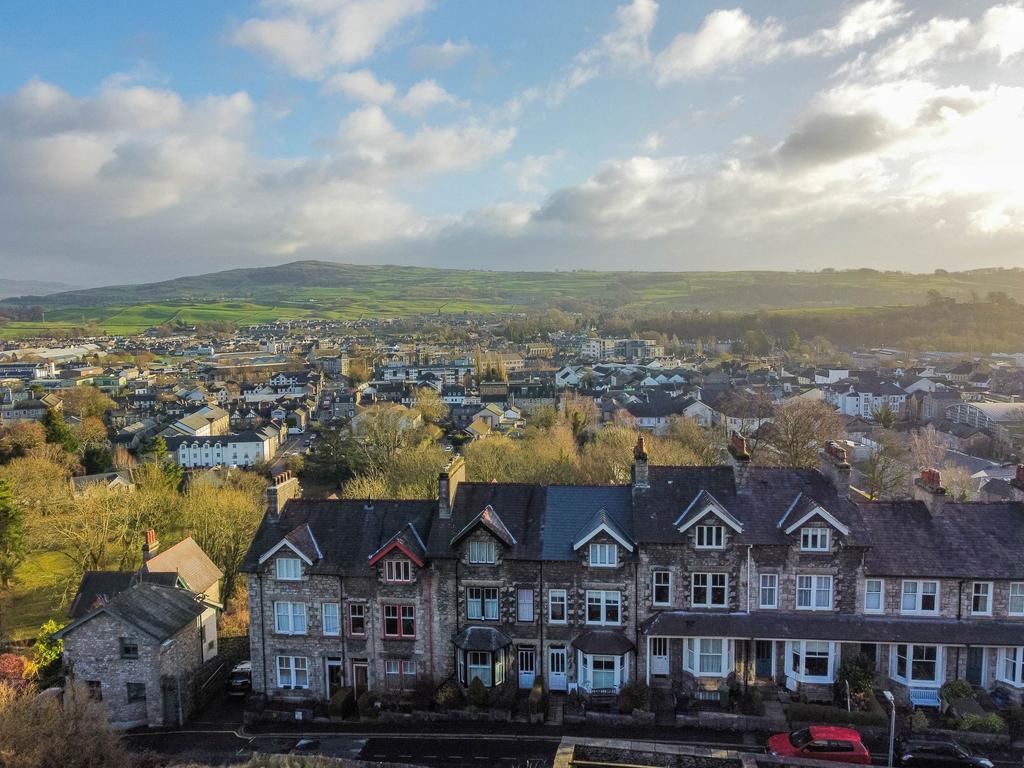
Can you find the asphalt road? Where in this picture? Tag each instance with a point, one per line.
(519, 752)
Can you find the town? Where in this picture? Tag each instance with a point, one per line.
(362, 520)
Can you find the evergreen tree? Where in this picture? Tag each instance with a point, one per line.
(58, 432)
(12, 540)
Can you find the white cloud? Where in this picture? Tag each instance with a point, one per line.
(861, 24)
(530, 172)
(443, 56)
(423, 96)
(725, 38)
(361, 85)
(308, 37)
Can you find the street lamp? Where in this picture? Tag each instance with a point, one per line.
(892, 723)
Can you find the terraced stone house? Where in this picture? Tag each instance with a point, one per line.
(687, 577)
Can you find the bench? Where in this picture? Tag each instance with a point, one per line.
(925, 697)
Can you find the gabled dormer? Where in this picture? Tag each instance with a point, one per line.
(708, 522)
(484, 550)
(293, 554)
(813, 527)
(603, 540)
(399, 557)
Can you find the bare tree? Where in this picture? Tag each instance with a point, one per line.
(927, 448)
(799, 430)
(885, 472)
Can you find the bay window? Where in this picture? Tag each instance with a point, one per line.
(603, 607)
(814, 593)
(478, 664)
(920, 597)
(707, 656)
(916, 664)
(709, 590)
(811, 661)
(1010, 666)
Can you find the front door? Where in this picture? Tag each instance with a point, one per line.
(527, 667)
(975, 665)
(556, 673)
(659, 656)
(360, 670)
(763, 658)
(335, 675)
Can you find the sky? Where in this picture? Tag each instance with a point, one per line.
(145, 140)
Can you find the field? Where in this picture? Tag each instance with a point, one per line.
(348, 292)
(38, 593)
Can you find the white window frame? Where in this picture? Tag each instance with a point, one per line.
(815, 538)
(768, 583)
(801, 648)
(478, 657)
(988, 590)
(698, 650)
(709, 536)
(1013, 655)
(327, 609)
(710, 586)
(524, 605)
(814, 590)
(290, 670)
(483, 552)
(558, 597)
(910, 656)
(483, 601)
(603, 555)
(880, 592)
(1015, 594)
(280, 573)
(397, 571)
(605, 598)
(661, 579)
(286, 614)
(919, 594)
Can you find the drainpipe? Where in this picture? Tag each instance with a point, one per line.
(647, 665)
(749, 548)
(342, 632)
(263, 632)
(430, 619)
(540, 625)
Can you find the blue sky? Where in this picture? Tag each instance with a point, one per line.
(144, 140)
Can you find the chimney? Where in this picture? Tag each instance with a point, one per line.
(282, 488)
(447, 484)
(1017, 484)
(928, 489)
(739, 457)
(835, 467)
(151, 546)
(641, 469)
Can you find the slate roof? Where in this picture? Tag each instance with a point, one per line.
(98, 587)
(843, 627)
(968, 540)
(569, 509)
(189, 561)
(490, 520)
(348, 531)
(520, 506)
(158, 611)
(603, 641)
(481, 639)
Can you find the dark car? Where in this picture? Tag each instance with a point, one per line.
(240, 680)
(920, 752)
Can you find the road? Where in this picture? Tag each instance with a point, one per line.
(294, 444)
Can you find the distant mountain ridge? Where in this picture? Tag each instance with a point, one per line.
(315, 285)
(13, 288)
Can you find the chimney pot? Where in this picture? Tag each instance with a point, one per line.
(151, 545)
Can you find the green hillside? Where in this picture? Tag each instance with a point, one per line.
(345, 291)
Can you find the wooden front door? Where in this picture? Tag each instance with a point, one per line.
(360, 677)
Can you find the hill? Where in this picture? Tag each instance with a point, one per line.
(345, 291)
(10, 287)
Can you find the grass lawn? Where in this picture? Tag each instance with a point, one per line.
(38, 592)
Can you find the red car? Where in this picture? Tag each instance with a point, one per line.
(821, 742)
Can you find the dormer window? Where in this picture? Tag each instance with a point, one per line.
(604, 555)
(709, 536)
(483, 552)
(289, 569)
(814, 539)
(397, 571)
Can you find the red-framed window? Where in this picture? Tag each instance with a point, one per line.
(400, 621)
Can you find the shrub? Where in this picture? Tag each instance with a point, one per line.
(919, 720)
(536, 701)
(574, 702)
(422, 694)
(450, 695)
(343, 703)
(1015, 721)
(367, 704)
(751, 702)
(634, 695)
(957, 689)
(859, 672)
(990, 723)
(477, 693)
(503, 697)
(820, 713)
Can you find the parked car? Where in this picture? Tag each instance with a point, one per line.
(923, 752)
(821, 742)
(240, 680)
